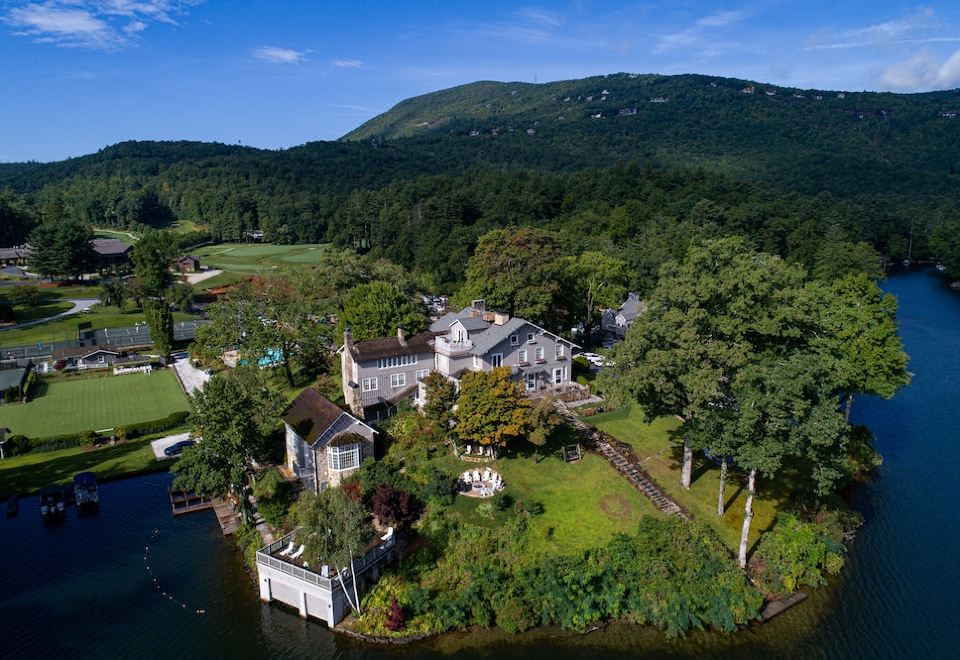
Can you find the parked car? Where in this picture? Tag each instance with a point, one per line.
(177, 448)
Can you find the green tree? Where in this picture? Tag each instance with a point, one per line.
(181, 295)
(335, 529)
(596, 281)
(153, 257)
(114, 291)
(945, 243)
(234, 417)
(376, 310)
(491, 409)
(441, 399)
(160, 321)
(271, 319)
(45, 258)
(859, 334)
(517, 269)
(73, 240)
(709, 315)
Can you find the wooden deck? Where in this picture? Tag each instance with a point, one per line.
(182, 502)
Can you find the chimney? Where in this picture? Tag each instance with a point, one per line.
(401, 335)
(480, 305)
(348, 339)
(500, 318)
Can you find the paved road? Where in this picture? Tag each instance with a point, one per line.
(196, 278)
(191, 378)
(79, 305)
(160, 444)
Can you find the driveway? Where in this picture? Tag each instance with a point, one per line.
(191, 378)
(79, 305)
(160, 444)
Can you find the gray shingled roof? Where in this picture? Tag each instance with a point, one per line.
(495, 334)
(442, 324)
(632, 307)
(474, 324)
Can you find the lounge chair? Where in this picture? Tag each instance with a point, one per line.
(466, 477)
(388, 535)
(288, 550)
(325, 571)
(469, 448)
(300, 551)
(476, 475)
(486, 475)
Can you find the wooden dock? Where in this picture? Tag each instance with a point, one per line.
(183, 502)
(776, 607)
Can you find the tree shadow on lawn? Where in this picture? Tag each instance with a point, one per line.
(561, 436)
(33, 476)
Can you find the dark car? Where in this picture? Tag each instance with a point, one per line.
(177, 448)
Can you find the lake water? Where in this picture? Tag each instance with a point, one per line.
(129, 580)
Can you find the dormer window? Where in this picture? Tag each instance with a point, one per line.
(531, 337)
(514, 340)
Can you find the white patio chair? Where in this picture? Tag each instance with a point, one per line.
(388, 535)
(486, 475)
(300, 551)
(476, 475)
(469, 449)
(466, 477)
(288, 550)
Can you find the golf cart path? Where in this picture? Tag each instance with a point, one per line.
(79, 305)
(196, 278)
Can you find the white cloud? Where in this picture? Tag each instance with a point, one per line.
(923, 71)
(902, 30)
(95, 24)
(276, 55)
(693, 34)
(346, 63)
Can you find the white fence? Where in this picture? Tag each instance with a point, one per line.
(120, 371)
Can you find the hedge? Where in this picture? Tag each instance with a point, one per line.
(20, 444)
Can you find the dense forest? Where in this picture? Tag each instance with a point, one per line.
(639, 165)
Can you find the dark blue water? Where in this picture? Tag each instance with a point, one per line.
(83, 588)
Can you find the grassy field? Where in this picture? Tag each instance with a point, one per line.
(257, 257)
(66, 328)
(31, 472)
(585, 503)
(26, 313)
(101, 402)
(127, 237)
(661, 457)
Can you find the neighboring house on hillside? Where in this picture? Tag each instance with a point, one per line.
(188, 264)
(379, 373)
(112, 254)
(325, 444)
(14, 256)
(475, 339)
(618, 321)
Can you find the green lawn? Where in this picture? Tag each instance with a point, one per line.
(66, 328)
(31, 472)
(661, 458)
(125, 236)
(585, 503)
(70, 405)
(25, 314)
(257, 257)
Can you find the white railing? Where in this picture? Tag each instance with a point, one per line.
(121, 371)
(450, 346)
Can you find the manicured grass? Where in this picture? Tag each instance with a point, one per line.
(585, 503)
(31, 472)
(257, 257)
(66, 328)
(82, 404)
(661, 456)
(126, 236)
(25, 314)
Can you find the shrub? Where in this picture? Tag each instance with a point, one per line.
(396, 619)
(395, 507)
(486, 510)
(514, 615)
(86, 438)
(796, 553)
(6, 313)
(171, 421)
(502, 501)
(16, 445)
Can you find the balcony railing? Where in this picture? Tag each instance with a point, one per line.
(452, 347)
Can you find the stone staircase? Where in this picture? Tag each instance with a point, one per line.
(600, 442)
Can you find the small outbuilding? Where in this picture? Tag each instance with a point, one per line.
(188, 264)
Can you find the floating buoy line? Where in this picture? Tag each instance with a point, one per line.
(156, 583)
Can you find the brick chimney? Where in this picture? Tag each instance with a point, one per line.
(401, 335)
(480, 305)
(348, 340)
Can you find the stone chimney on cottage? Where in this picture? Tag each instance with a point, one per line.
(348, 340)
(401, 335)
(477, 308)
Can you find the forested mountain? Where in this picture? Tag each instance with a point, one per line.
(622, 161)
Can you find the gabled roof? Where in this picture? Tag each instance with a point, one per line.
(632, 307)
(495, 334)
(83, 351)
(311, 414)
(108, 247)
(373, 349)
(474, 324)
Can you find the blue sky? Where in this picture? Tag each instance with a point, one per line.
(78, 75)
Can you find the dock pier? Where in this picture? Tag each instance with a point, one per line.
(183, 502)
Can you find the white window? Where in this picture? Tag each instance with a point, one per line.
(422, 373)
(559, 375)
(531, 382)
(101, 359)
(522, 355)
(530, 337)
(477, 362)
(514, 340)
(496, 360)
(369, 384)
(396, 361)
(540, 354)
(559, 350)
(398, 380)
(344, 457)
